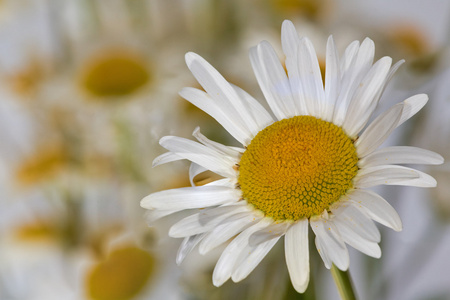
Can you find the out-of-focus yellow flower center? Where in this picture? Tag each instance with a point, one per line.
(122, 276)
(44, 164)
(37, 231)
(115, 74)
(26, 81)
(309, 8)
(409, 39)
(296, 168)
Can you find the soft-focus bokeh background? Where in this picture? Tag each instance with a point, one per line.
(88, 87)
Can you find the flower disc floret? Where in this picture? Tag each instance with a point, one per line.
(297, 167)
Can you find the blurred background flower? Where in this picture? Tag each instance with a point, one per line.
(89, 86)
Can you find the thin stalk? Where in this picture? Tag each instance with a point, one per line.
(343, 283)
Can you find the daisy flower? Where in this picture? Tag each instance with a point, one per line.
(308, 164)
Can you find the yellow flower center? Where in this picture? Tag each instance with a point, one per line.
(296, 168)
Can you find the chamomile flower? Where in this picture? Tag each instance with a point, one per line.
(308, 164)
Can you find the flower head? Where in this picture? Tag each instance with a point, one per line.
(308, 164)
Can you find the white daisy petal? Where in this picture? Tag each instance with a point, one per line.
(376, 208)
(217, 146)
(323, 254)
(347, 62)
(391, 73)
(200, 154)
(166, 158)
(187, 245)
(394, 69)
(311, 78)
(225, 231)
(272, 80)
(392, 175)
(194, 170)
(357, 229)
(251, 258)
(290, 42)
(377, 96)
(268, 233)
(230, 121)
(227, 261)
(332, 80)
(377, 132)
(411, 106)
(381, 127)
(401, 155)
(289, 39)
(349, 56)
(204, 221)
(218, 214)
(225, 182)
(330, 244)
(190, 197)
(358, 65)
(238, 149)
(364, 58)
(352, 238)
(156, 214)
(190, 226)
(258, 112)
(297, 255)
(220, 90)
(355, 220)
(365, 99)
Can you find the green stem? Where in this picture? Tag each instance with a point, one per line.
(343, 283)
